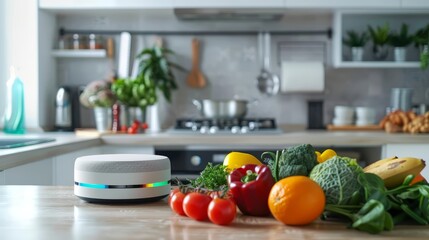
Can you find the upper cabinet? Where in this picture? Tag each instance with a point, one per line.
(415, 4)
(164, 4)
(343, 4)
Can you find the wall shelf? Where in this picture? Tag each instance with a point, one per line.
(359, 21)
(84, 53)
(377, 64)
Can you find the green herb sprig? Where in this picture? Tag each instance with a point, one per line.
(213, 177)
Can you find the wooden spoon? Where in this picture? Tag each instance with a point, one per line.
(196, 78)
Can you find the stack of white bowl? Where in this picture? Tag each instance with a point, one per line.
(343, 115)
(365, 116)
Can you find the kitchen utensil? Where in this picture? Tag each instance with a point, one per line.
(222, 108)
(124, 55)
(401, 98)
(63, 109)
(111, 55)
(196, 78)
(267, 83)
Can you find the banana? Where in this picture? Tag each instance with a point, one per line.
(394, 171)
(379, 163)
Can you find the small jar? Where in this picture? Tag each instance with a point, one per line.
(96, 41)
(75, 42)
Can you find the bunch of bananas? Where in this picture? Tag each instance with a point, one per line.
(394, 170)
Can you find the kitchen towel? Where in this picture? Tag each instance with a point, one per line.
(304, 76)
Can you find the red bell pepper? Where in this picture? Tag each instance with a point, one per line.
(250, 186)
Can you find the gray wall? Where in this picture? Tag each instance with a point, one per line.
(230, 64)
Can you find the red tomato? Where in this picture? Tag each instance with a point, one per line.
(196, 205)
(222, 211)
(132, 130)
(176, 203)
(144, 126)
(124, 128)
(172, 192)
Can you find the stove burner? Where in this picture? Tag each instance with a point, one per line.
(212, 126)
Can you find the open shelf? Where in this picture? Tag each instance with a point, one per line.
(359, 21)
(378, 64)
(84, 53)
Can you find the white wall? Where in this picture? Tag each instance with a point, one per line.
(19, 28)
(3, 59)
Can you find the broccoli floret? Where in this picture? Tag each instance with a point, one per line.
(297, 160)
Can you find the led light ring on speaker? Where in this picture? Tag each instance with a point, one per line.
(104, 186)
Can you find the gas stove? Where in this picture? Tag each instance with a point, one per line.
(226, 126)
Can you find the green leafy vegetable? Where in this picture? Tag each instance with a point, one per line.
(213, 177)
(297, 160)
(338, 178)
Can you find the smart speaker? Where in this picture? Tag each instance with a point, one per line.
(122, 178)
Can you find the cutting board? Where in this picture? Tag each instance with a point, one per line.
(331, 127)
(89, 132)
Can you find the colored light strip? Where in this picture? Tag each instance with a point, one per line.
(104, 186)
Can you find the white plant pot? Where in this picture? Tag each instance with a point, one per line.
(400, 54)
(103, 119)
(357, 54)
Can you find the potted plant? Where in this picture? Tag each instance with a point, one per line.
(98, 95)
(155, 75)
(380, 38)
(421, 41)
(400, 41)
(356, 42)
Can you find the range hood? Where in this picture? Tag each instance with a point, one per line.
(228, 14)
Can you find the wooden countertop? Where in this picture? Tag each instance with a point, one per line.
(53, 212)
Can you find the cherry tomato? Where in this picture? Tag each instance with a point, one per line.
(172, 192)
(222, 211)
(176, 203)
(144, 126)
(124, 128)
(196, 205)
(132, 130)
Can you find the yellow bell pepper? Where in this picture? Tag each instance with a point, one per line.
(326, 155)
(237, 159)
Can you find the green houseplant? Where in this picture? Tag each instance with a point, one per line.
(380, 38)
(155, 75)
(400, 40)
(356, 42)
(421, 41)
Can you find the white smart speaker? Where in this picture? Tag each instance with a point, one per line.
(122, 178)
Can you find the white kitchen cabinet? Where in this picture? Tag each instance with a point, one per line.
(416, 4)
(359, 21)
(104, 4)
(335, 4)
(34, 173)
(1, 177)
(228, 4)
(63, 165)
(409, 150)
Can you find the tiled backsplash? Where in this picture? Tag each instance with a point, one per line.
(230, 65)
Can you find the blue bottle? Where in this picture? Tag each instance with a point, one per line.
(14, 121)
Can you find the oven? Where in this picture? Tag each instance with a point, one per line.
(188, 162)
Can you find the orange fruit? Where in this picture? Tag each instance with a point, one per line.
(296, 200)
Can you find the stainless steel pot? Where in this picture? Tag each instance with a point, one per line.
(221, 108)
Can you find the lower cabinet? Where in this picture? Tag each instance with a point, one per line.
(34, 173)
(409, 150)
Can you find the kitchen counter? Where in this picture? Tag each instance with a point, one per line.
(67, 142)
(314, 137)
(42, 212)
(64, 142)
